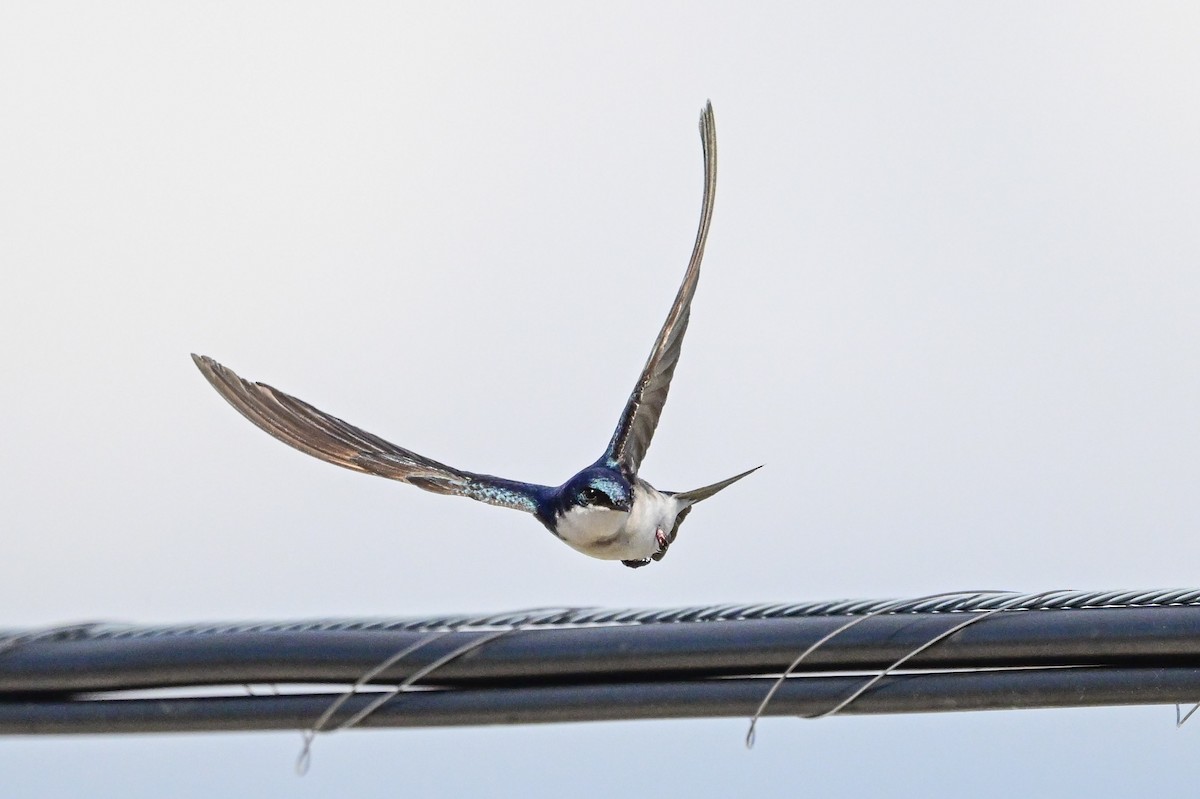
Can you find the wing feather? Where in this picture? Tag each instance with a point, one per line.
(640, 417)
(321, 435)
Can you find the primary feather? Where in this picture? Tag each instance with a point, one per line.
(640, 417)
(322, 435)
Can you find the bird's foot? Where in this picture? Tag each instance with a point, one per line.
(663, 543)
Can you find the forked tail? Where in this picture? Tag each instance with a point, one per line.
(697, 494)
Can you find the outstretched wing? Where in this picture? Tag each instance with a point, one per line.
(640, 418)
(300, 425)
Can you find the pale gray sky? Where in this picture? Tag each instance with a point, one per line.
(949, 300)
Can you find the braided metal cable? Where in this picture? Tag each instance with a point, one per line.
(960, 651)
(588, 617)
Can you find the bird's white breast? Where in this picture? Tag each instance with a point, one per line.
(618, 535)
(593, 529)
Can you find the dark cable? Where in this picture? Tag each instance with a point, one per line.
(801, 696)
(90, 662)
(980, 650)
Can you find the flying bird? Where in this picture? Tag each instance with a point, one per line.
(606, 510)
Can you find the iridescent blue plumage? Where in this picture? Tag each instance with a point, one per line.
(507, 494)
(605, 510)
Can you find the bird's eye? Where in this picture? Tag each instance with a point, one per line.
(592, 494)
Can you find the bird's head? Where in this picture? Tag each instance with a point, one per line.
(598, 487)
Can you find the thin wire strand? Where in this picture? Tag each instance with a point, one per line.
(304, 759)
(383, 698)
(751, 733)
(931, 642)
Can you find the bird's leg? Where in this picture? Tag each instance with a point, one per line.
(663, 543)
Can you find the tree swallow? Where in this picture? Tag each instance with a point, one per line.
(605, 511)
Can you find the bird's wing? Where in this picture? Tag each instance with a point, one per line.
(632, 436)
(300, 425)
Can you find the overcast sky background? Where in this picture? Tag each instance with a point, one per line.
(950, 300)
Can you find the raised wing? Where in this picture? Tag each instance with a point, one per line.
(312, 431)
(640, 418)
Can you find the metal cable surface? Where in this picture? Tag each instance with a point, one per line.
(973, 650)
(808, 696)
(572, 617)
